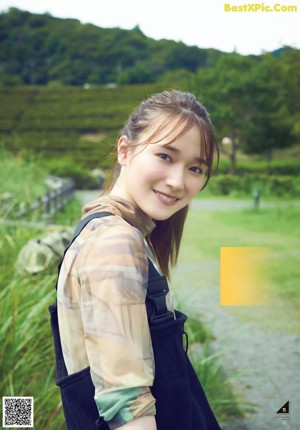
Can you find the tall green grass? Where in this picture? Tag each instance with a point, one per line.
(22, 180)
(26, 355)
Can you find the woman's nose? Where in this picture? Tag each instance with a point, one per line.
(175, 178)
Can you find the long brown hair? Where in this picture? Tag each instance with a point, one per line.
(187, 111)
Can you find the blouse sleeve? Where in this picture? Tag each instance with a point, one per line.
(113, 277)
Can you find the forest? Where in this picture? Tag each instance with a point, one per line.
(40, 49)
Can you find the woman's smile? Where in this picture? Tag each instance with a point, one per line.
(165, 198)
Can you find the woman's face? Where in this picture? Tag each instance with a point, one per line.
(161, 178)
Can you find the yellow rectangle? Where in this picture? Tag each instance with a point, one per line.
(244, 276)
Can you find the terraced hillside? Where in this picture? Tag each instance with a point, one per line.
(74, 122)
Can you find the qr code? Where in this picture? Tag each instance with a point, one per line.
(17, 412)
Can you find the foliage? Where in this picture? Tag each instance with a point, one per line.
(27, 355)
(66, 168)
(279, 166)
(22, 180)
(267, 185)
(291, 66)
(249, 100)
(40, 49)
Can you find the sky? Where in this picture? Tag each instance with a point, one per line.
(251, 29)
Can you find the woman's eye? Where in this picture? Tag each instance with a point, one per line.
(197, 169)
(164, 156)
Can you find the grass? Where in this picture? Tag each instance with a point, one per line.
(22, 181)
(26, 354)
(275, 228)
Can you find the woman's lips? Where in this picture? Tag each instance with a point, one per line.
(166, 198)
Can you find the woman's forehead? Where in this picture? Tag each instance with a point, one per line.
(167, 127)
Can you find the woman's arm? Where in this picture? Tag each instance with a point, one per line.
(112, 270)
(143, 423)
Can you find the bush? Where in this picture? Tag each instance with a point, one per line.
(23, 178)
(274, 167)
(267, 185)
(224, 184)
(66, 168)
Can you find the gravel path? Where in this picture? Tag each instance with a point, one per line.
(269, 361)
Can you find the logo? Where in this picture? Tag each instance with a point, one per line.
(284, 411)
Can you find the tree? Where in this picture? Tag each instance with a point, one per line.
(245, 96)
(290, 60)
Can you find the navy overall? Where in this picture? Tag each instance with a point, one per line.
(180, 400)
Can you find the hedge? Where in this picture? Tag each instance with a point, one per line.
(267, 185)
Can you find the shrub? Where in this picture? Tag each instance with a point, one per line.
(273, 167)
(224, 184)
(267, 185)
(66, 168)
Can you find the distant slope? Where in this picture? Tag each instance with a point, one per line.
(38, 49)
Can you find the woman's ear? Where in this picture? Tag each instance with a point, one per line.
(123, 150)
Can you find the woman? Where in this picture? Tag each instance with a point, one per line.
(133, 354)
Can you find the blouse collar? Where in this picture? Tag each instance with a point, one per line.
(123, 208)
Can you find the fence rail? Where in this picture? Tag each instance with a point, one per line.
(51, 202)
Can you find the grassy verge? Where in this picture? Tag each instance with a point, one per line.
(27, 356)
(275, 228)
(27, 353)
(23, 180)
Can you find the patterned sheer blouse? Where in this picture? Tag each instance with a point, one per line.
(101, 310)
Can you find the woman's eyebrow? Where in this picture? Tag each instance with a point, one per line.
(173, 149)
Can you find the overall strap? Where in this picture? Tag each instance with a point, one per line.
(85, 221)
(156, 297)
(78, 230)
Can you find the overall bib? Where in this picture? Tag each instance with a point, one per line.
(180, 400)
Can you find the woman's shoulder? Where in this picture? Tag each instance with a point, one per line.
(109, 242)
(111, 233)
